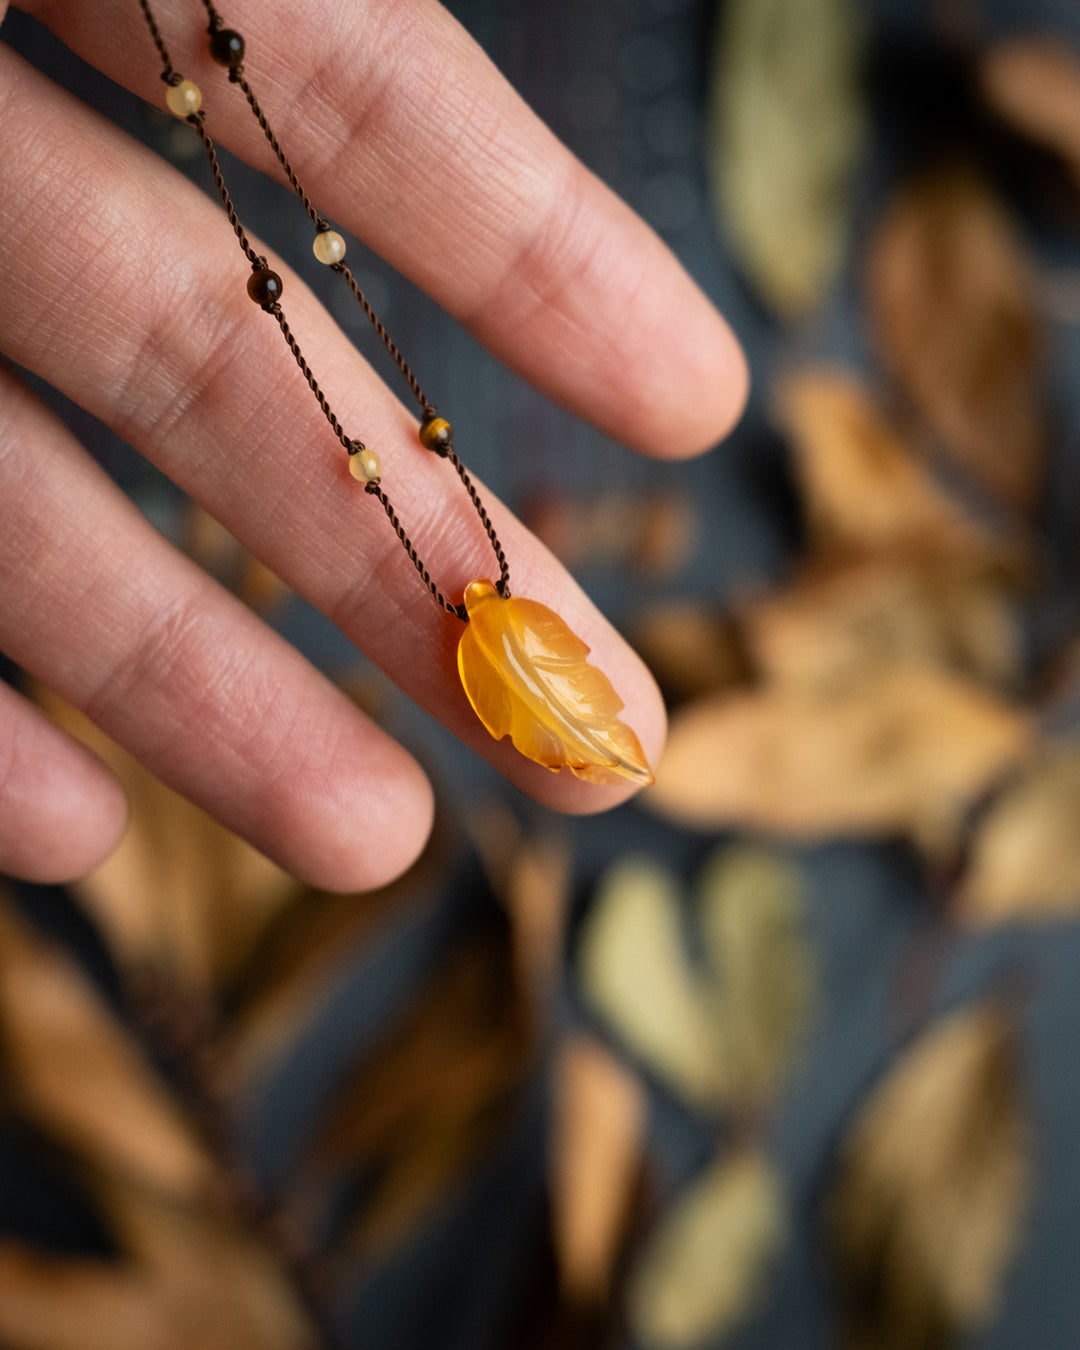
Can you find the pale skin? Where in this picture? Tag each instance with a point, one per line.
(123, 287)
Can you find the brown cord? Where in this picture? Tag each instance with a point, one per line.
(258, 263)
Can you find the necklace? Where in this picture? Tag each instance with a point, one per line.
(523, 670)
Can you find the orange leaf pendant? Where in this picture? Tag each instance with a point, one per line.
(526, 677)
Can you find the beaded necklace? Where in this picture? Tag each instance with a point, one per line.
(522, 668)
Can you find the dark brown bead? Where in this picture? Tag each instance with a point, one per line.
(436, 434)
(264, 286)
(227, 47)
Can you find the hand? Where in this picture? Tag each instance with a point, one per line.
(123, 287)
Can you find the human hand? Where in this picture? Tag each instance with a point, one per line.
(123, 288)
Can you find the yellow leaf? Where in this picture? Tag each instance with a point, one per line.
(786, 129)
(1025, 854)
(931, 1188)
(526, 677)
(954, 305)
(898, 751)
(637, 975)
(709, 1262)
(752, 919)
(597, 1140)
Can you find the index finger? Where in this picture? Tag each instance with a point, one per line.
(403, 131)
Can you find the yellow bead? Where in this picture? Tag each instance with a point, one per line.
(184, 98)
(328, 246)
(365, 466)
(436, 433)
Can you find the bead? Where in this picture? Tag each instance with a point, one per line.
(184, 98)
(328, 246)
(227, 47)
(365, 466)
(436, 433)
(264, 286)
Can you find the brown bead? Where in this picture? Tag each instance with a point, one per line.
(436, 434)
(264, 286)
(227, 47)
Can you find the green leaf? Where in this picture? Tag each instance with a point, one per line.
(637, 975)
(709, 1261)
(752, 917)
(786, 128)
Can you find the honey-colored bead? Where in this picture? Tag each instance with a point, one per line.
(436, 433)
(365, 466)
(328, 246)
(184, 98)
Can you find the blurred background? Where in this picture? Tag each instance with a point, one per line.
(784, 1053)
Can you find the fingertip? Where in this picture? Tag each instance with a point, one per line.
(62, 812)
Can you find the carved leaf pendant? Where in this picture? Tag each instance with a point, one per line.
(526, 677)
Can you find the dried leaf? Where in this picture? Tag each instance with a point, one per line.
(650, 533)
(180, 895)
(902, 751)
(190, 1279)
(420, 1113)
(835, 623)
(691, 648)
(1025, 855)
(752, 919)
(79, 1077)
(709, 1262)
(598, 1137)
(636, 974)
(787, 127)
(1034, 83)
(954, 306)
(865, 489)
(306, 950)
(526, 676)
(932, 1186)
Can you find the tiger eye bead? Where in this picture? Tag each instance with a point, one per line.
(365, 465)
(264, 286)
(328, 246)
(227, 47)
(184, 98)
(436, 434)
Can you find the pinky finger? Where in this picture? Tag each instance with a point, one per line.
(61, 811)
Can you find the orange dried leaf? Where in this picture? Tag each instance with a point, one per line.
(691, 648)
(189, 1277)
(898, 751)
(74, 1071)
(1025, 854)
(526, 677)
(180, 894)
(865, 489)
(931, 1188)
(598, 1136)
(954, 306)
(421, 1111)
(837, 622)
(1034, 83)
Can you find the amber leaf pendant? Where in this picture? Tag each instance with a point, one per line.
(526, 677)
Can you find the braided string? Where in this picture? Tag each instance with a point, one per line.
(271, 305)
